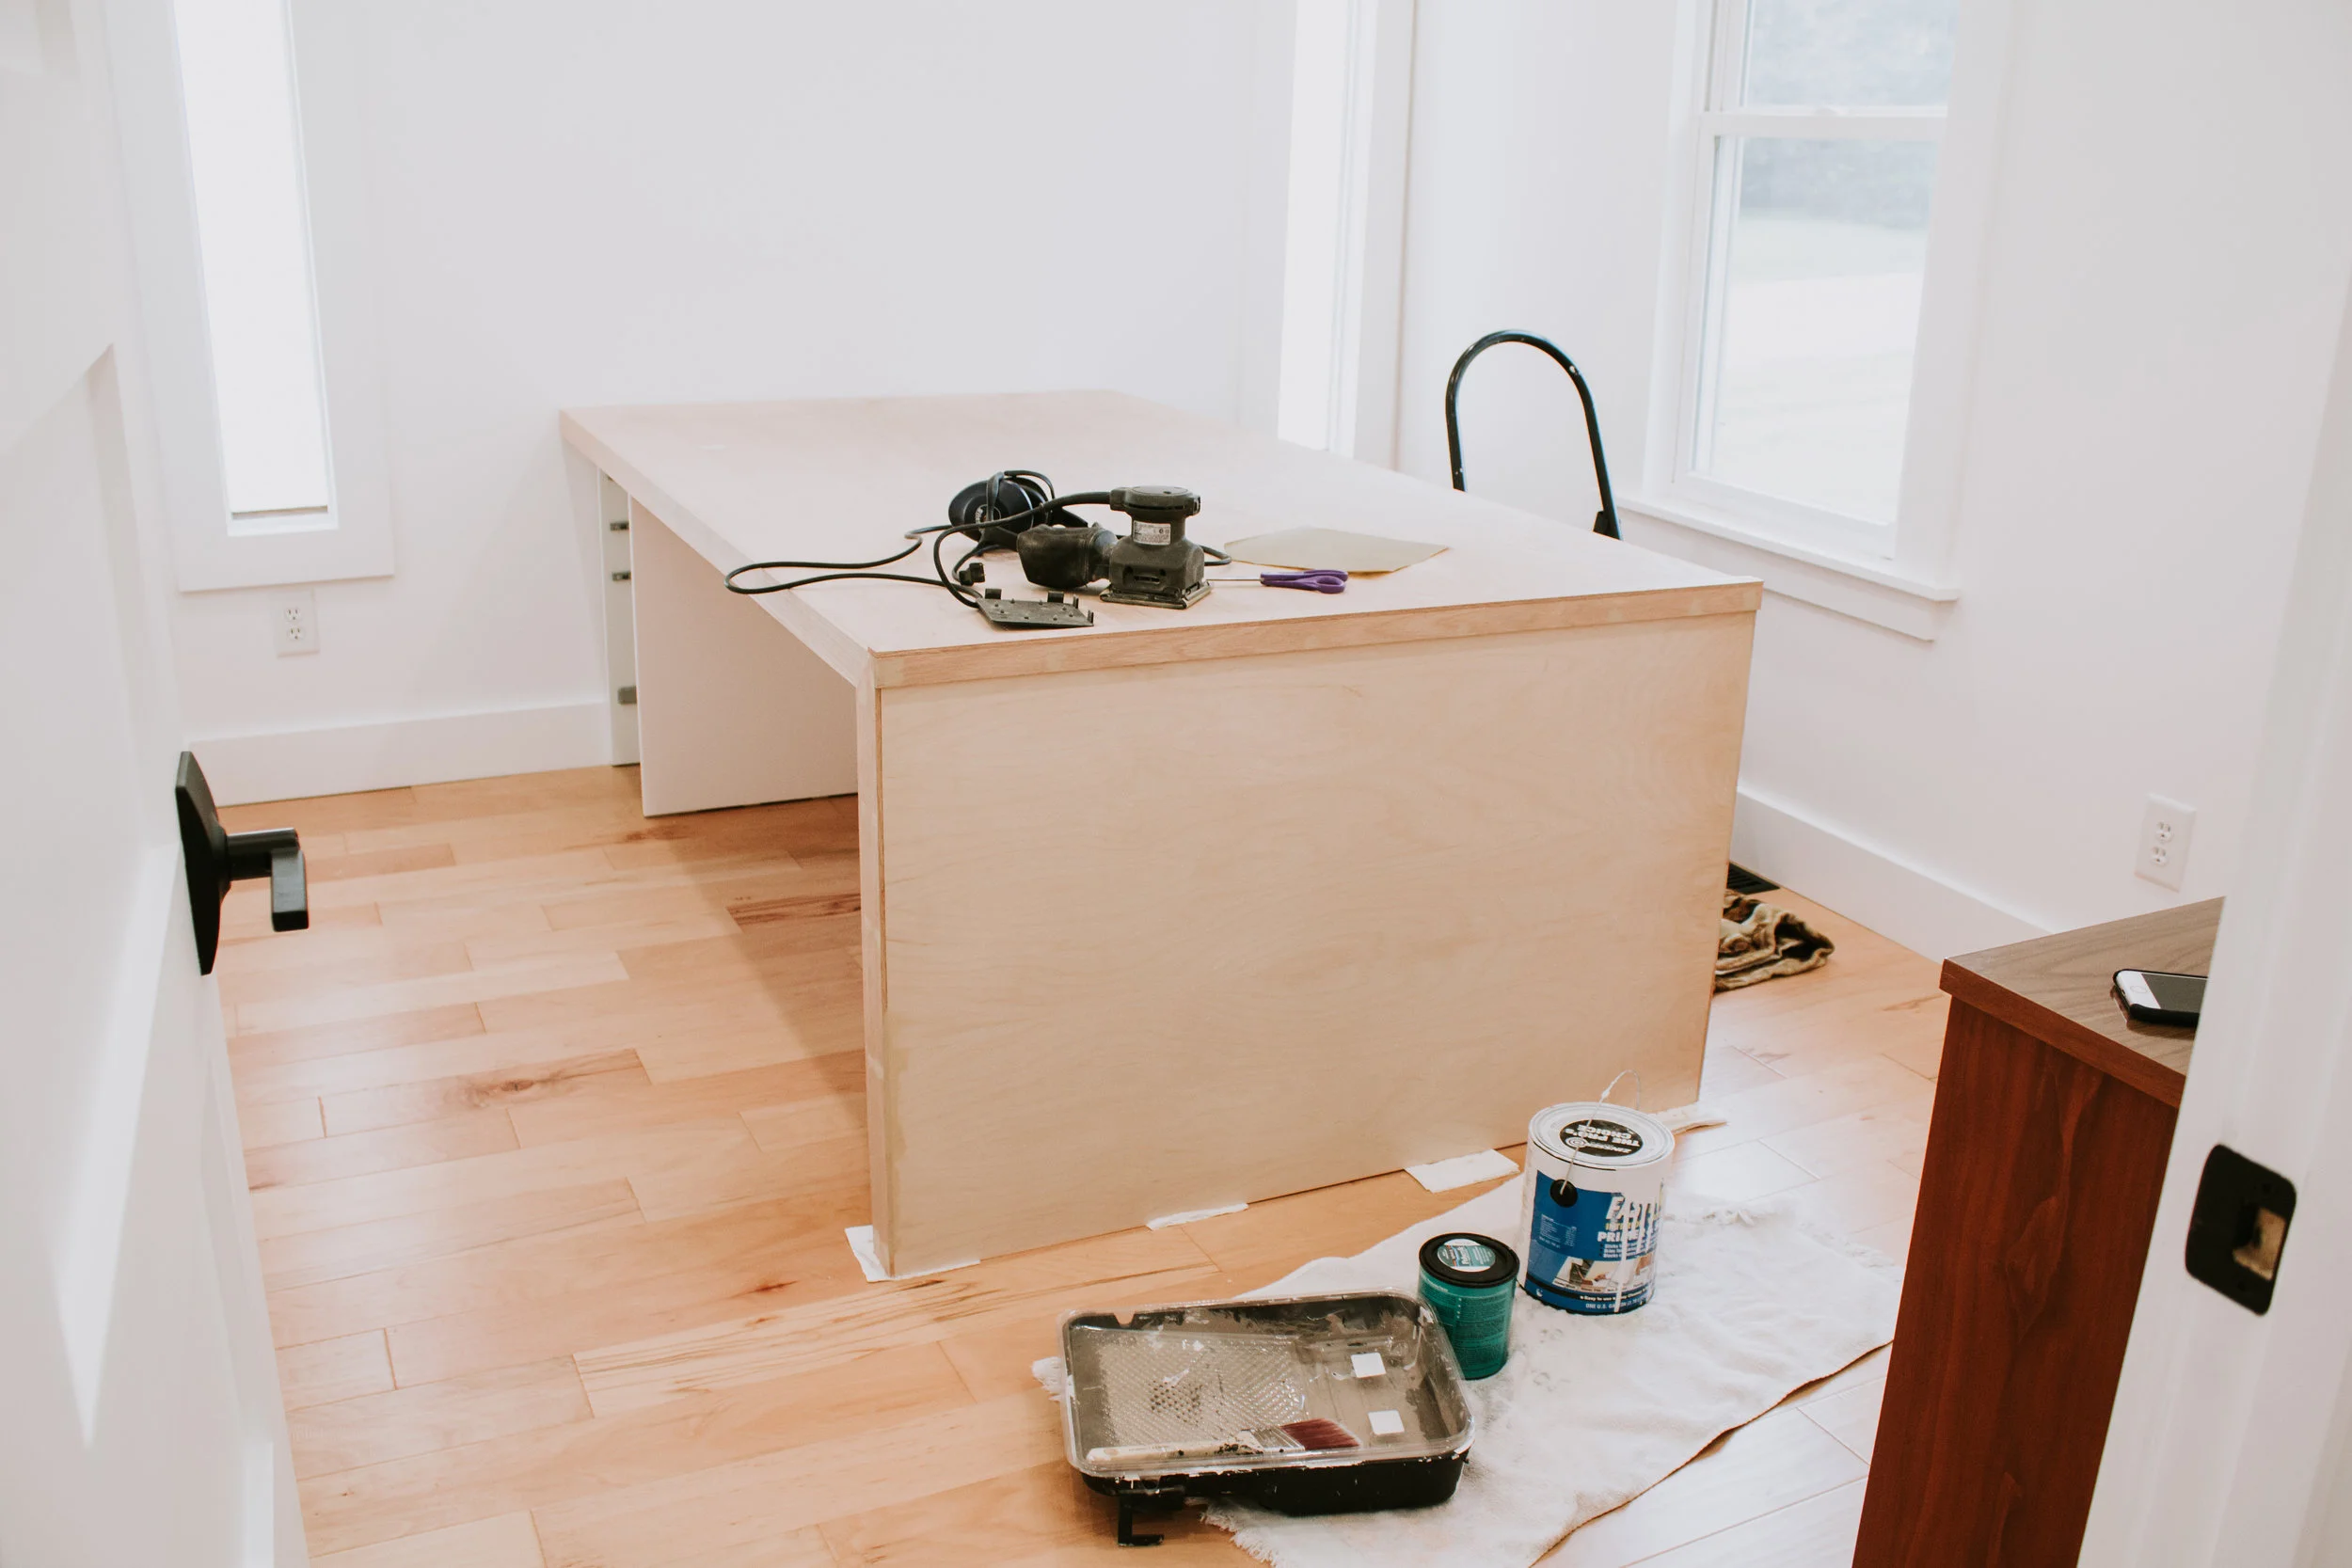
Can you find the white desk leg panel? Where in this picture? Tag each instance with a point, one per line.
(732, 709)
(1160, 938)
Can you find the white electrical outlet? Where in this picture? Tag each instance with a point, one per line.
(2164, 834)
(293, 624)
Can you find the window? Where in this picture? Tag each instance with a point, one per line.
(1343, 239)
(245, 157)
(1819, 140)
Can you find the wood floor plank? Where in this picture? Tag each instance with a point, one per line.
(748, 912)
(813, 1265)
(713, 892)
(1895, 1131)
(507, 1542)
(759, 1245)
(1269, 1239)
(519, 878)
(331, 868)
(427, 1418)
(541, 816)
(323, 814)
(741, 1504)
(1858, 1083)
(631, 1102)
(803, 1548)
(337, 1369)
(1851, 1416)
(510, 1088)
(283, 1122)
(641, 931)
(821, 1118)
(996, 1355)
(246, 928)
(1738, 1174)
(1857, 1199)
(480, 1055)
(727, 1176)
(1726, 1069)
(533, 977)
(766, 996)
(428, 1142)
(338, 1252)
(526, 791)
(825, 1021)
(398, 1497)
(1033, 1517)
(686, 1142)
(454, 1183)
(744, 952)
(492, 894)
(805, 1337)
(1814, 1533)
(262, 1047)
(321, 950)
(1778, 1458)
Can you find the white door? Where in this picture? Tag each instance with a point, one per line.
(139, 1417)
(2231, 1438)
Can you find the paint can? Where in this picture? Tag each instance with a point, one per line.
(1588, 1206)
(1469, 1281)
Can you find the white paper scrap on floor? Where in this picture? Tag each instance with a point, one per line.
(1591, 1411)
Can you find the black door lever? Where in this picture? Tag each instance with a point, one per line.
(215, 859)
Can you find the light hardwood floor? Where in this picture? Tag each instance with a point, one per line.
(554, 1120)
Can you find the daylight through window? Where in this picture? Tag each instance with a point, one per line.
(1822, 130)
(244, 154)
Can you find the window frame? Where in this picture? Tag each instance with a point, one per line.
(1902, 579)
(1720, 122)
(208, 551)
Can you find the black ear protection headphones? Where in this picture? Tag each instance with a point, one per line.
(1016, 509)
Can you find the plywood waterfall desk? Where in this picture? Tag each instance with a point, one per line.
(1196, 907)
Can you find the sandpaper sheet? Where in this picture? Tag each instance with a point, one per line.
(1330, 549)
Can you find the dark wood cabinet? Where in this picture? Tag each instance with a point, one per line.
(2053, 1120)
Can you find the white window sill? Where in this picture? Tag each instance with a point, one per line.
(1870, 591)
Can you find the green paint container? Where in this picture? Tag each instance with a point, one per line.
(1470, 1281)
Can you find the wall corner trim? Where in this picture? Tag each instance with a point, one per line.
(1923, 910)
(341, 759)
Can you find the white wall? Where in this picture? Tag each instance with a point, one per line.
(2166, 255)
(600, 201)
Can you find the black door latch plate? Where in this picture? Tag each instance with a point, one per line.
(216, 858)
(2238, 1228)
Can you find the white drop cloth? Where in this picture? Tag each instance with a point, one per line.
(1591, 1411)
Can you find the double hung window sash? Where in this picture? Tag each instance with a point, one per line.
(1819, 142)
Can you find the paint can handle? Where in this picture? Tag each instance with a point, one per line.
(1619, 1079)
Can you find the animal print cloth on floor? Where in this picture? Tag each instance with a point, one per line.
(1764, 942)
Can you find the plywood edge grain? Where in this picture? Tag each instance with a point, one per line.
(2094, 1050)
(1019, 654)
(823, 638)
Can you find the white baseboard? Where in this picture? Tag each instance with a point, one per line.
(1873, 886)
(345, 758)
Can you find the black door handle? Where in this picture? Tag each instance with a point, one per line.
(217, 858)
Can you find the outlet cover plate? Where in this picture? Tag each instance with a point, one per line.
(294, 621)
(2164, 830)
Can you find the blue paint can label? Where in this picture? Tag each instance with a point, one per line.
(1589, 1206)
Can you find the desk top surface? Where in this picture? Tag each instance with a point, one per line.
(843, 479)
(2060, 989)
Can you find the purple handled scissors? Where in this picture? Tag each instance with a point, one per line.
(1326, 580)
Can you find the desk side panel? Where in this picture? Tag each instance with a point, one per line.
(732, 709)
(2036, 1205)
(1157, 940)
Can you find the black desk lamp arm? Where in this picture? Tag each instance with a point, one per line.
(1604, 522)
